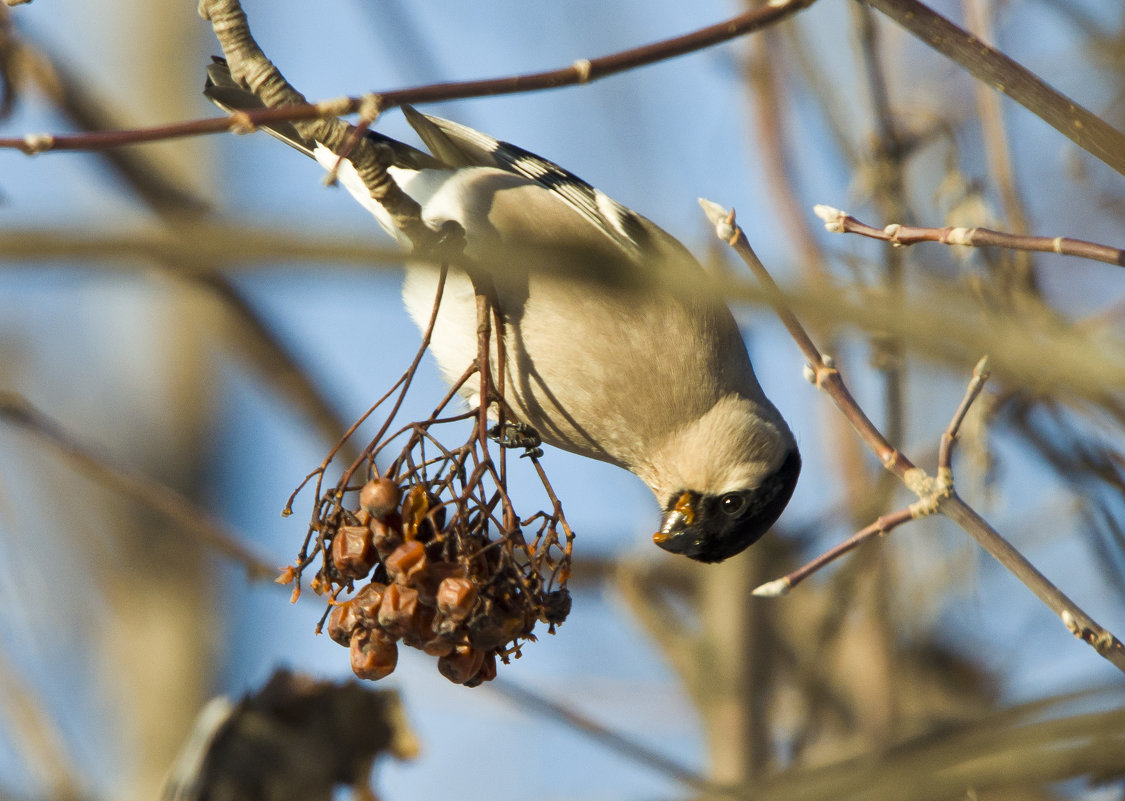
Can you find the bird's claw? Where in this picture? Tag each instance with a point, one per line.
(514, 434)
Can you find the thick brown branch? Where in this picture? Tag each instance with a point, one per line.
(987, 64)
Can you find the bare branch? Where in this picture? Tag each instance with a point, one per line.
(935, 496)
(538, 704)
(1085, 129)
(17, 411)
(840, 222)
(884, 525)
(580, 71)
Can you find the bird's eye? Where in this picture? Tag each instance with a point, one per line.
(732, 503)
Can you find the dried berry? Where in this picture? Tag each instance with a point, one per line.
(462, 664)
(367, 602)
(386, 534)
(342, 622)
(438, 646)
(373, 656)
(353, 551)
(487, 671)
(396, 613)
(421, 626)
(414, 509)
(557, 606)
(428, 582)
(496, 628)
(406, 561)
(455, 598)
(379, 496)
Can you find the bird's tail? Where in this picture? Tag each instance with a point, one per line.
(228, 94)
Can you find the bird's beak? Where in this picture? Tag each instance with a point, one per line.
(679, 517)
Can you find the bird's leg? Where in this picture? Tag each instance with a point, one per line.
(514, 434)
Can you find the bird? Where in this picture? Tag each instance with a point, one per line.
(645, 375)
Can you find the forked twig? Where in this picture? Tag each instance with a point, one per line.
(936, 495)
(886, 523)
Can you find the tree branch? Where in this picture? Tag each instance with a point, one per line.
(840, 222)
(938, 496)
(1085, 129)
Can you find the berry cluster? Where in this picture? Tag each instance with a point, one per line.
(447, 590)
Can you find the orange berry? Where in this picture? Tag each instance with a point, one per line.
(396, 613)
(353, 551)
(379, 496)
(406, 561)
(462, 664)
(373, 657)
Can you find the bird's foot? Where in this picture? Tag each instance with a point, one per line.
(514, 434)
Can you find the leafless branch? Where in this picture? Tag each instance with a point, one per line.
(937, 493)
(841, 222)
(17, 411)
(992, 67)
(539, 704)
(583, 70)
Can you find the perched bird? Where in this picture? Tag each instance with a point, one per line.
(654, 380)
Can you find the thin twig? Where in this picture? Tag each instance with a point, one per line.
(607, 737)
(884, 525)
(949, 437)
(840, 222)
(581, 71)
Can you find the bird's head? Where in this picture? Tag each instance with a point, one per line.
(725, 480)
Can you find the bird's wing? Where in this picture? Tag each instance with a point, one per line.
(457, 146)
(460, 146)
(228, 94)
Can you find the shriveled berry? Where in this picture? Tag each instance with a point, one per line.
(557, 606)
(353, 551)
(437, 646)
(406, 561)
(342, 622)
(496, 628)
(421, 626)
(462, 664)
(487, 671)
(429, 581)
(379, 496)
(414, 509)
(386, 534)
(455, 597)
(396, 613)
(373, 657)
(367, 602)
